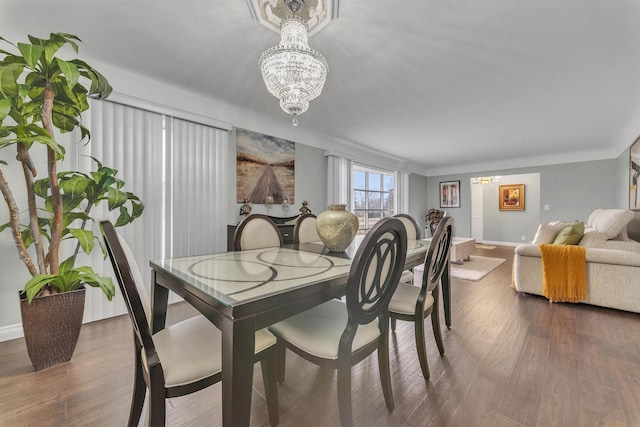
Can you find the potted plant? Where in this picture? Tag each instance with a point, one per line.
(41, 94)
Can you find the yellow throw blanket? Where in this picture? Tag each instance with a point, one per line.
(564, 272)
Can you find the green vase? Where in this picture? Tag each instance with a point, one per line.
(337, 227)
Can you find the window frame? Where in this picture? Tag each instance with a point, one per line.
(362, 210)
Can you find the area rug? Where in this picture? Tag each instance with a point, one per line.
(476, 268)
(483, 246)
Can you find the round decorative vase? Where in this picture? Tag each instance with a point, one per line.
(337, 227)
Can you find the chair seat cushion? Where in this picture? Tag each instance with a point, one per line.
(405, 297)
(317, 331)
(191, 350)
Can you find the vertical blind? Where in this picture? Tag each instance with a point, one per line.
(179, 171)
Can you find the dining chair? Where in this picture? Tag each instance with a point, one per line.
(413, 233)
(340, 334)
(305, 229)
(182, 358)
(412, 303)
(256, 231)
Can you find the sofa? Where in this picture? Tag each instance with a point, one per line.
(611, 239)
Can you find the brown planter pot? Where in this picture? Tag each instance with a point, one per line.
(51, 327)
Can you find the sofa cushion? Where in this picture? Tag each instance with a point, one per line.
(610, 221)
(593, 239)
(570, 234)
(547, 232)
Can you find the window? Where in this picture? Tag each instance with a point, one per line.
(373, 195)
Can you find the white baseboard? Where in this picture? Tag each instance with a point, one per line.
(11, 332)
(491, 242)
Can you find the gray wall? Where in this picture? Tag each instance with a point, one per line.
(572, 191)
(510, 226)
(418, 202)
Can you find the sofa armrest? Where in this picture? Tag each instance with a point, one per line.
(528, 250)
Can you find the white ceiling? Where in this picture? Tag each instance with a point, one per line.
(447, 85)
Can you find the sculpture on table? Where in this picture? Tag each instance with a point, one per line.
(433, 218)
(305, 208)
(245, 209)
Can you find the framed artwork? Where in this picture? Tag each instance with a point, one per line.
(450, 194)
(634, 172)
(511, 197)
(265, 168)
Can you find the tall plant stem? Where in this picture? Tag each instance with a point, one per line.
(53, 257)
(14, 220)
(29, 171)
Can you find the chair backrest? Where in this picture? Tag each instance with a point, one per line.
(131, 285)
(256, 231)
(437, 258)
(375, 272)
(410, 225)
(305, 229)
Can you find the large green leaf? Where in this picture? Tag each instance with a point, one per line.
(41, 188)
(27, 237)
(74, 186)
(5, 107)
(70, 217)
(116, 198)
(100, 87)
(70, 280)
(9, 75)
(85, 237)
(31, 53)
(124, 218)
(48, 141)
(33, 286)
(51, 46)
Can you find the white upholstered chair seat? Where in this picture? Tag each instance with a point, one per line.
(405, 297)
(317, 331)
(191, 350)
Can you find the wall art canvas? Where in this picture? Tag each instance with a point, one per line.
(265, 168)
(450, 194)
(634, 174)
(511, 197)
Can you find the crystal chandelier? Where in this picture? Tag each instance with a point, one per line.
(293, 72)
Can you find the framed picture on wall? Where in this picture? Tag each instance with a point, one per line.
(265, 168)
(450, 194)
(634, 173)
(511, 197)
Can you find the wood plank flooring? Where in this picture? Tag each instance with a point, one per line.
(511, 360)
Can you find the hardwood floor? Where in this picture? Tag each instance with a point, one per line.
(511, 360)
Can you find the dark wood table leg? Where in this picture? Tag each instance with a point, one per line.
(238, 347)
(446, 294)
(159, 298)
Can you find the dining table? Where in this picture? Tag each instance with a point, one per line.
(241, 292)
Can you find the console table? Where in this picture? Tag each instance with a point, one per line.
(285, 227)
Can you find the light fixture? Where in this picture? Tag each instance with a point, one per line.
(486, 179)
(292, 71)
